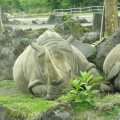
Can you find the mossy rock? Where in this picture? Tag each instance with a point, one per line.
(71, 26)
(18, 50)
(10, 114)
(76, 27)
(16, 114)
(59, 111)
(7, 28)
(40, 31)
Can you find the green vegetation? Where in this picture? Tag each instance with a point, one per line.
(106, 108)
(109, 107)
(25, 103)
(73, 27)
(43, 6)
(40, 31)
(65, 16)
(82, 91)
(15, 114)
(7, 28)
(90, 103)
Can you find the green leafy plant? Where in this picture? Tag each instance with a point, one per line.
(82, 90)
(65, 17)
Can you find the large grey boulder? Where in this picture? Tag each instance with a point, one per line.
(5, 18)
(12, 44)
(82, 20)
(36, 116)
(59, 19)
(59, 111)
(19, 32)
(55, 19)
(90, 37)
(6, 55)
(10, 114)
(105, 47)
(6, 62)
(9, 51)
(71, 27)
(51, 19)
(38, 22)
(88, 50)
(96, 22)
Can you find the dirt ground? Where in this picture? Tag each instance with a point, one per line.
(8, 87)
(10, 91)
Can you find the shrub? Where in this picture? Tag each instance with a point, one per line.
(65, 17)
(82, 90)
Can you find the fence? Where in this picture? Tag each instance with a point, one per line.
(81, 10)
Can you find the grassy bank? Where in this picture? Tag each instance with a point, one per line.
(107, 107)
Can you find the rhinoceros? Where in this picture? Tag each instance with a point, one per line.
(111, 69)
(46, 66)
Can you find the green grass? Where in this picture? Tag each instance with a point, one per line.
(103, 111)
(107, 108)
(110, 106)
(25, 103)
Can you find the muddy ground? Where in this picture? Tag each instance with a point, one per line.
(4, 91)
(9, 91)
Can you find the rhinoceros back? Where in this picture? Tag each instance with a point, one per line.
(112, 58)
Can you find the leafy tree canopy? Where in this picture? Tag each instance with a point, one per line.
(27, 5)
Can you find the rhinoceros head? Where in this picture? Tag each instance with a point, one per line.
(57, 66)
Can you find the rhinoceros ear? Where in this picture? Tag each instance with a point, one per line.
(114, 71)
(70, 39)
(36, 46)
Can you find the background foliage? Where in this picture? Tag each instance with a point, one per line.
(42, 6)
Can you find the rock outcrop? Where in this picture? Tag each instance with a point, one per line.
(10, 114)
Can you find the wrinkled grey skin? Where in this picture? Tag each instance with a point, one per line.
(45, 68)
(111, 68)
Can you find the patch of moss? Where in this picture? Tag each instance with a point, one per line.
(57, 30)
(8, 28)
(15, 114)
(71, 26)
(76, 27)
(62, 106)
(40, 31)
(18, 50)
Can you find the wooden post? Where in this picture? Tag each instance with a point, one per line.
(102, 23)
(1, 26)
(111, 17)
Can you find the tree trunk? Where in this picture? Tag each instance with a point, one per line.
(111, 17)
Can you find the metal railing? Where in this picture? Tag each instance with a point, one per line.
(81, 10)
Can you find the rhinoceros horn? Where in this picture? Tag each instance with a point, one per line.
(36, 46)
(70, 39)
(54, 74)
